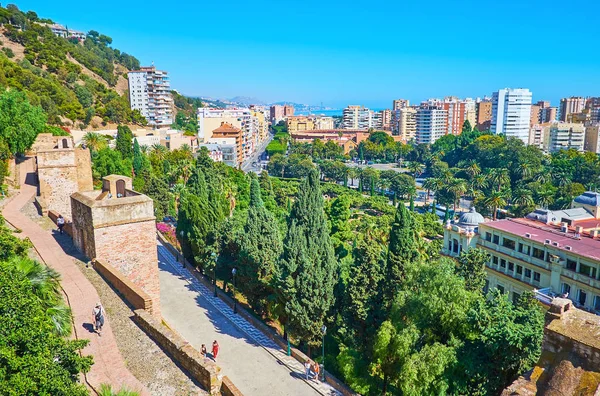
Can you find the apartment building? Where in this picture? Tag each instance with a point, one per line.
(288, 111)
(573, 104)
(360, 117)
(511, 113)
(483, 110)
(550, 252)
(431, 123)
(308, 123)
(459, 111)
(386, 119)
(150, 93)
(228, 131)
(277, 114)
(246, 120)
(261, 116)
(223, 149)
(546, 112)
(65, 32)
(404, 123)
(592, 140)
(563, 136)
(400, 104)
(536, 136)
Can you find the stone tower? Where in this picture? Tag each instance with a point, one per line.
(117, 225)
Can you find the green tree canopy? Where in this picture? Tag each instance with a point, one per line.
(20, 122)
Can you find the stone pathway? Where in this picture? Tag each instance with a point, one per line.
(255, 364)
(108, 363)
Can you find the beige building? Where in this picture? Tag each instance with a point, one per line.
(405, 125)
(563, 136)
(398, 104)
(308, 123)
(592, 142)
(226, 130)
(550, 252)
(62, 170)
(117, 226)
(483, 115)
(574, 104)
(536, 136)
(386, 119)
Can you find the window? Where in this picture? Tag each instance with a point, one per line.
(520, 247)
(511, 266)
(501, 288)
(581, 297)
(519, 270)
(597, 303)
(495, 260)
(496, 239)
(515, 297)
(571, 265)
(565, 288)
(508, 243)
(538, 253)
(536, 276)
(488, 236)
(587, 270)
(502, 263)
(527, 273)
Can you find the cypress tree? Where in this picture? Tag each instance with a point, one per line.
(402, 252)
(138, 157)
(372, 186)
(260, 249)
(307, 269)
(123, 142)
(412, 204)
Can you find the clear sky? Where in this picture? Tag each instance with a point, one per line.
(351, 52)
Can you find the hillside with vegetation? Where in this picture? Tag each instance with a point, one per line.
(77, 83)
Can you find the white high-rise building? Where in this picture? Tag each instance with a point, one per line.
(150, 93)
(431, 123)
(359, 117)
(511, 113)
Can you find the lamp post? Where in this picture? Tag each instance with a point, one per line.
(324, 331)
(181, 233)
(213, 255)
(233, 272)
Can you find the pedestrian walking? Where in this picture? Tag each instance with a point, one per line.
(98, 318)
(316, 370)
(203, 350)
(60, 222)
(307, 369)
(215, 349)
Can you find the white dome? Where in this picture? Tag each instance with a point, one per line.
(471, 218)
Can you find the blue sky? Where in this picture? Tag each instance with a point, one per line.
(350, 52)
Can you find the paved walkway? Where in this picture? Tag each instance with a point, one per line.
(255, 364)
(108, 364)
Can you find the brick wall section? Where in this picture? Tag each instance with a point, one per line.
(56, 186)
(229, 389)
(83, 228)
(84, 169)
(269, 332)
(203, 370)
(131, 249)
(132, 293)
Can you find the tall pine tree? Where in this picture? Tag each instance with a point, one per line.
(260, 249)
(138, 157)
(308, 269)
(123, 143)
(402, 252)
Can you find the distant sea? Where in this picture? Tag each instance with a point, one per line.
(330, 113)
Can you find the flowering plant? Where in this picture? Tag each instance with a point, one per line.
(168, 232)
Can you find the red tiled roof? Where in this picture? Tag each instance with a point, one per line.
(227, 128)
(583, 246)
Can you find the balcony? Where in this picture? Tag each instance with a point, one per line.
(545, 295)
(515, 254)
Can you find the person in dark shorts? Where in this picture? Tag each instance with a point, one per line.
(98, 318)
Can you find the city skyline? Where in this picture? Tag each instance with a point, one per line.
(340, 62)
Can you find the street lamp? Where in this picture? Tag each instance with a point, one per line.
(213, 255)
(180, 250)
(324, 331)
(233, 272)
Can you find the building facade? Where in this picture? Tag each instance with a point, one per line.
(574, 104)
(483, 110)
(563, 136)
(150, 93)
(459, 111)
(398, 104)
(511, 113)
(592, 140)
(431, 123)
(276, 113)
(404, 123)
(550, 252)
(228, 131)
(359, 117)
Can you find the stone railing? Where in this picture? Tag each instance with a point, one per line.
(203, 370)
(130, 291)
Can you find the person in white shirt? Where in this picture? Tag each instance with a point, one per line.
(98, 318)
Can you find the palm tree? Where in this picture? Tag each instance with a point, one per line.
(471, 167)
(434, 184)
(524, 170)
(352, 174)
(457, 187)
(94, 141)
(544, 197)
(543, 176)
(177, 190)
(494, 201)
(144, 148)
(478, 183)
(383, 184)
(46, 287)
(522, 197)
(415, 168)
(499, 177)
